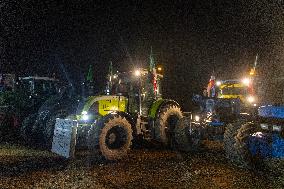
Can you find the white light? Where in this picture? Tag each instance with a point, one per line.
(218, 83)
(250, 99)
(137, 73)
(197, 118)
(264, 126)
(114, 76)
(276, 128)
(84, 112)
(246, 81)
(85, 117)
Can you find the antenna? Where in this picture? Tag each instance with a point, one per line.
(255, 62)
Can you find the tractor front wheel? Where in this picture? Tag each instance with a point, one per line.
(112, 137)
(166, 123)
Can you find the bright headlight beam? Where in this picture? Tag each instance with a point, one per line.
(246, 81)
(85, 117)
(137, 73)
(251, 99)
(197, 118)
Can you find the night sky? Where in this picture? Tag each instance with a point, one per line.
(189, 38)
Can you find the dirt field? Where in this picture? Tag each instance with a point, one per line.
(25, 168)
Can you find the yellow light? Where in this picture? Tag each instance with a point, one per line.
(252, 72)
(159, 68)
(251, 99)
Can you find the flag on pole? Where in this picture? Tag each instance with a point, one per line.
(153, 73)
(110, 69)
(90, 76)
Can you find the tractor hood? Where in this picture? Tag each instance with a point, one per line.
(101, 106)
(271, 112)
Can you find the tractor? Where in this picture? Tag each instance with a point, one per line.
(242, 89)
(131, 109)
(258, 143)
(231, 104)
(21, 98)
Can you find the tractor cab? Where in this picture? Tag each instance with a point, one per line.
(39, 86)
(141, 88)
(233, 89)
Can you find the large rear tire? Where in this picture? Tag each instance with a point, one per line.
(230, 141)
(247, 159)
(166, 123)
(187, 137)
(244, 157)
(27, 128)
(112, 137)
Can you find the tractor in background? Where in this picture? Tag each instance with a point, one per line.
(224, 103)
(233, 89)
(259, 143)
(20, 98)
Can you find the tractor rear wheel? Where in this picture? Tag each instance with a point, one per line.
(188, 138)
(27, 128)
(112, 137)
(166, 123)
(247, 159)
(244, 156)
(230, 141)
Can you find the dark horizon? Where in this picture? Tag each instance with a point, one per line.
(190, 39)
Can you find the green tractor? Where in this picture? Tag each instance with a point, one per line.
(133, 110)
(21, 98)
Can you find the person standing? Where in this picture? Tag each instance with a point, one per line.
(211, 88)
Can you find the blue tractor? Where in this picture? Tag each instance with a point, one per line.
(259, 143)
(210, 122)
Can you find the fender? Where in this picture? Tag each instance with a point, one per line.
(127, 116)
(157, 105)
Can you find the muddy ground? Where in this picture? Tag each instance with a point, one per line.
(21, 167)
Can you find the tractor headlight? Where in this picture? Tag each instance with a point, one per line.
(246, 81)
(264, 126)
(218, 83)
(85, 116)
(251, 99)
(197, 118)
(276, 128)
